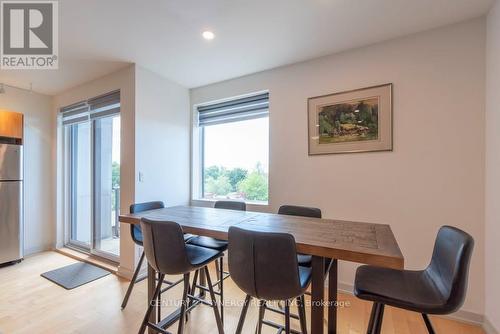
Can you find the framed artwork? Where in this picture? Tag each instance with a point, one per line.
(354, 121)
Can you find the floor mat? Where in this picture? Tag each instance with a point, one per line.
(74, 275)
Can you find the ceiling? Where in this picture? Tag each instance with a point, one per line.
(98, 37)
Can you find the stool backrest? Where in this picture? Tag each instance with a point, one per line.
(303, 211)
(165, 247)
(231, 205)
(449, 267)
(264, 265)
(135, 230)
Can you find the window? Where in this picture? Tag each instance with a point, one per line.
(92, 175)
(234, 149)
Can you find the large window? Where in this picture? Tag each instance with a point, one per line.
(92, 177)
(235, 149)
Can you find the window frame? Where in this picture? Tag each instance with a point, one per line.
(198, 158)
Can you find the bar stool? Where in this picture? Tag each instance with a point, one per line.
(302, 211)
(217, 244)
(136, 233)
(264, 265)
(168, 254)
(213, 243)
(438, 289)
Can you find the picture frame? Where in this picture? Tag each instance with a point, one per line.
(352, 121)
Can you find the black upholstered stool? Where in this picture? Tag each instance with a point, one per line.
(136, 233)
(438, 289)
(168, 254)
(213, 243)
(264, 266)
(220, 245)
(302, 211)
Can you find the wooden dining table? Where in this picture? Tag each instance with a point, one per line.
(327, 240)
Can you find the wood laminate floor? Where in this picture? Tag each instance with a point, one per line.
(32, 304)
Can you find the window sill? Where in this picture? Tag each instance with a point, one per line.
(207, 201)
(257, 207)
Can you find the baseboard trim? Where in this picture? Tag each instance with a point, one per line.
(74, 254)
(39, 249)
(488, 327)
(125, 273)
(461, 315)
(466, 316)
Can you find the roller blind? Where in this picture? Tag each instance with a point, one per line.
(105, 105)
(250, 107)
(75, 113)
(101, 106)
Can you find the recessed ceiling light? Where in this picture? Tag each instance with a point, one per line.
(208, 35)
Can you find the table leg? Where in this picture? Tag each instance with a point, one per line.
(151, 289)
(317, 294)
(332, 297)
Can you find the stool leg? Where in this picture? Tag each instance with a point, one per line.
(192, 291)
(243, 314)
(262, 310)
(428, 323)
(287, 317)
(150, 306)
(377, 326)
(216, 263)
(221, 289)
(302, 314)
(220, 326)
(132, 282)
(182, 316)
(158, 302)
(373, 315)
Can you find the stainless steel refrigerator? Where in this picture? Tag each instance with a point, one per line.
(11, 203)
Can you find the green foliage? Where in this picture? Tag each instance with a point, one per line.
(115, 182)
(255, 187)
(237, 182)
(115, 175)
(235, 176)
(219, 186)
(214, 172)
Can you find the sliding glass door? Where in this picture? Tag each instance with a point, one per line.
(80, 187)
(92, 165)
(107, 185)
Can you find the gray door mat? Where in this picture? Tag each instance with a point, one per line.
(74, 275)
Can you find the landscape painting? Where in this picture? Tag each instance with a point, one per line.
(358, 120)
(349, 121)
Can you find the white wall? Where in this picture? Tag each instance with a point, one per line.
(39, 143)
(124, 80)
(162, 128)
(162, 139)
(434, 176)
(492, 243)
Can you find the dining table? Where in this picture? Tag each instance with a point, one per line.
(326, 240)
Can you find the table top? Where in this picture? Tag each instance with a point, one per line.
(366, 243)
